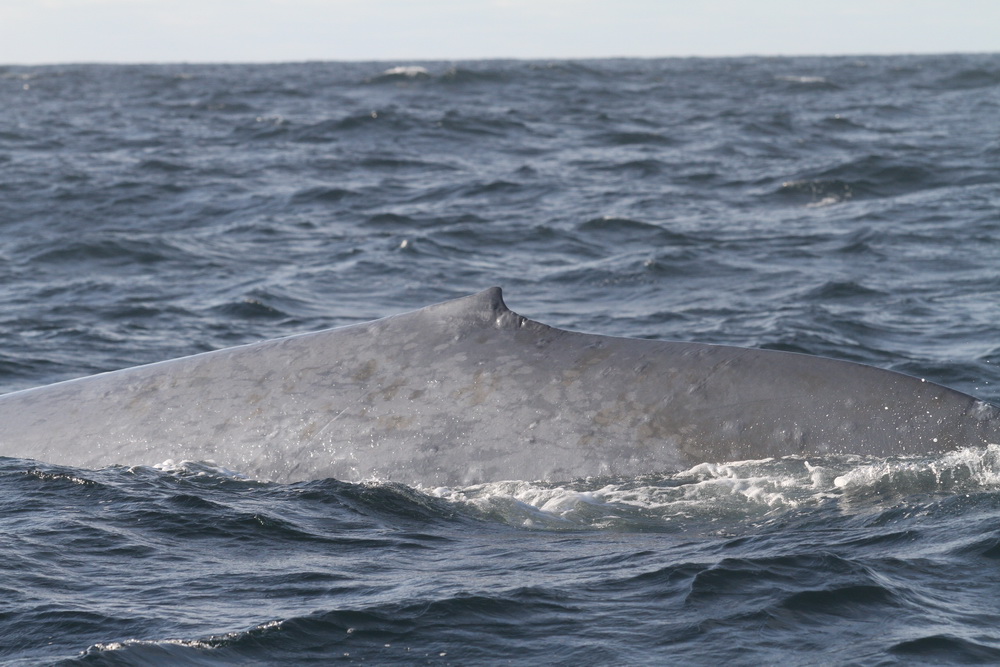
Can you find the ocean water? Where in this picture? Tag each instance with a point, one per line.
(845, 207)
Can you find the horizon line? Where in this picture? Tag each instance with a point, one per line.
(294, 61)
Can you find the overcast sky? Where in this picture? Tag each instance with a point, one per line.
(54, 31)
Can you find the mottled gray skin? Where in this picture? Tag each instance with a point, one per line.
(468, 391)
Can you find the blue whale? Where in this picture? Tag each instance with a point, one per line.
(468, 391)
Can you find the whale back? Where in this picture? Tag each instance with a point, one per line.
(468, 391)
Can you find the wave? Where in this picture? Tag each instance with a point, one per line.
(738, 494)
(424, 630)
(806, 82)
(872, 176)
(401, 74)
(634, 138)
(442, 73)
(968, 79)
(741, 495)
(347, 571)
(617, 230)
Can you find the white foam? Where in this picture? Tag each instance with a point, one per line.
(199, 469)
(711, 491)
(962, 470)
(801, 79)
(829, 200)
(739, 491)
(406, 70)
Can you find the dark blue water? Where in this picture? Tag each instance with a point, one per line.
(847, 207)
